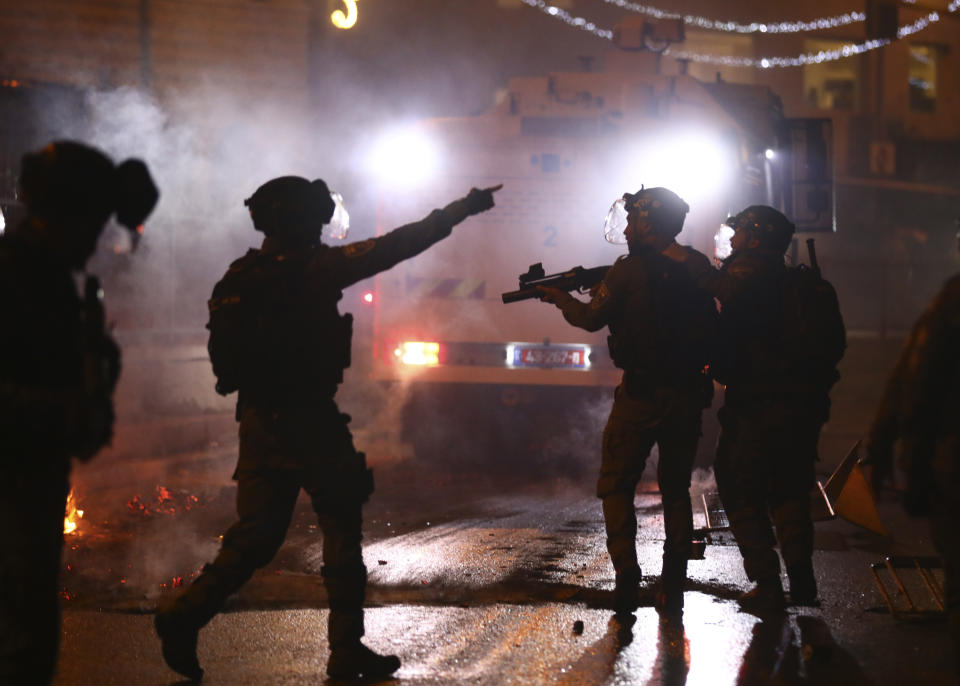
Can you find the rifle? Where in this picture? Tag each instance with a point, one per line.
(577, 278)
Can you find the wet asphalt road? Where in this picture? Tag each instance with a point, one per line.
(488, 590)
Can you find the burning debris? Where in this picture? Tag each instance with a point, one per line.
(72, 516)
(164, 502)
(126, 552)
(178, 581)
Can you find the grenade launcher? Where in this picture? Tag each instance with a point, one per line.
(577, 278)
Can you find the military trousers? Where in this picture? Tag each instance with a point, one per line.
(281, 453)
(765, 468)
(669, 419)
(31, 528)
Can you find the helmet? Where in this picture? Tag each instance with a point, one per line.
(72, 180)
(287, 202)
(770, 227)
(663, 209)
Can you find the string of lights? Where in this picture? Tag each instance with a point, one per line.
(847, 50)
(563, 15)
(753, 27)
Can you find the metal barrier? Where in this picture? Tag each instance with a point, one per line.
(923, 566)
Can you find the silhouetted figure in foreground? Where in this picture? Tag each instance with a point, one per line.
(779, 340)
(58, 369)
(277, 336)
(921, 410)
(661, 325)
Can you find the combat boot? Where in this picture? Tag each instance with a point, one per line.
(178, 641)
(765, 598)
(625, 591)
(669, 600)
(803, 584)
(356, 661)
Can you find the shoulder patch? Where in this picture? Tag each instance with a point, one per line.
(359, 248)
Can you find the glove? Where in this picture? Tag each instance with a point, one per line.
(554, 296)
(480, 200)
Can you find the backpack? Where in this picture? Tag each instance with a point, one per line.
(273, 331)
(814, 338)
(231, 322)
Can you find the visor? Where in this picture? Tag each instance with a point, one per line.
(722, 248)
(615, 225)
(339, 224)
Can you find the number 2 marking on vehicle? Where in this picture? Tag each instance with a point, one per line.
(551, 240)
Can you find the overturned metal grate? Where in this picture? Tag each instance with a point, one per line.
(910, 573)
(714, 515)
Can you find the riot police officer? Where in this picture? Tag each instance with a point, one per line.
(920, 409)
(58, 369)
(780, 337)
(661, 323)
(277, 337)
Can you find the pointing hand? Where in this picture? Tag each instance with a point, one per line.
(480, 200)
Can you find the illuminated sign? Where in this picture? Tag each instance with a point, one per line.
(345, 21)
(533, 355)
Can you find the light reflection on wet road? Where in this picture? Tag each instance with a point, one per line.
(495, 598)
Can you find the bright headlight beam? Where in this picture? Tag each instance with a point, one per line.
(694, 164)
(405, 157)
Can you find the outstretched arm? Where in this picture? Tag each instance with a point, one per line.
(357, 261)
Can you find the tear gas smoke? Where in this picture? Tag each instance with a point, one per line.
(167, 549)
(575, 452)
(702, 481)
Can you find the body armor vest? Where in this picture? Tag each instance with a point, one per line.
(276, 333)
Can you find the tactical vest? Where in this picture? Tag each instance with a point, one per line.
(664, 334)
(782, 329)
(275, 334)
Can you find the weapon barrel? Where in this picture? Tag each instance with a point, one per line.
(577, 278)
(517, 296)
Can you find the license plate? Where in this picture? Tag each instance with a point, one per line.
(568, 357)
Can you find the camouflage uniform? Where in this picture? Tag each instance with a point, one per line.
(921, 408)
(660, 327)
(780, 336)
(41, 426)
(292, 434)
